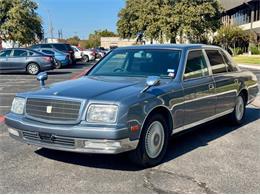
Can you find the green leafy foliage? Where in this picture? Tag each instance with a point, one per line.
(94, 38)
(233, 38)
(19, 21)
(165, 19)
(73, 40)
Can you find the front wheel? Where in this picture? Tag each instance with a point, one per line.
(238, 115)
(153, 142)
(85, 59)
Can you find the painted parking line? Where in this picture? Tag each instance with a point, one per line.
(7, 94)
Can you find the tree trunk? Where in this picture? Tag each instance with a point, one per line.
(181, 37)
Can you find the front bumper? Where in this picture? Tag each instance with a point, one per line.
(70, 138)
(74, 144)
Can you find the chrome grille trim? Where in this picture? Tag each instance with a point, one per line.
(63, 111)
(57, 140)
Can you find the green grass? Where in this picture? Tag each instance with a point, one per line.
(250, 60)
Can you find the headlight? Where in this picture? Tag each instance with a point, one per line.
(102, 113)
(18, 105)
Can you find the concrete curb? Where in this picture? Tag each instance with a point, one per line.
(256, 67)
(256, 103)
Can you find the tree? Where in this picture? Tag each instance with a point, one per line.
(160, 19)
(232, 37)
(94, 38)
(196, 19)
(19, 21)
(73, 40)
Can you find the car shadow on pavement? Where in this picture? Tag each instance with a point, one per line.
(58, 73)
(179, 144)
(79, 65)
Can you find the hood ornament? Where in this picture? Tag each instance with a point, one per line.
(42, 76)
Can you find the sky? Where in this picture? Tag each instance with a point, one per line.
(79, 17)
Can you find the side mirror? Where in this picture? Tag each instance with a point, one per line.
(150, 82)
(42, 76)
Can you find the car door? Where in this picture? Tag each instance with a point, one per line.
(199, 89)
(226, 83)
(4, 59)
(18, 59)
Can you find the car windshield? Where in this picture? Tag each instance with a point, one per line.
(139, 62)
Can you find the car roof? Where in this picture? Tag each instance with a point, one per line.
(20, 48)
(52, 44)
(169, 46)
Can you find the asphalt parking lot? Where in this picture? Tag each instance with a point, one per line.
(213, 158)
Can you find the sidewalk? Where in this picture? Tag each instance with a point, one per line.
(256, 103)
(256, 67)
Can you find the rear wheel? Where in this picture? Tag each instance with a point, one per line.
(58, 64)
(85, 59)
(153, 142)
(33, 68)
(238, 115)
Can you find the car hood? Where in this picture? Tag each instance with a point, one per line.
(111, 88)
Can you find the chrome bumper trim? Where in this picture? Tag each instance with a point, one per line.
(110, 146)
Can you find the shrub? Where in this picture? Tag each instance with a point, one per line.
(237, 51)
(255, 50)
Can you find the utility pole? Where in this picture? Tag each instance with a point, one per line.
(50, 24)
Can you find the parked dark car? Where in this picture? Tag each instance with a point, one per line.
(64, 47)
(25, 60)
(61, 59)
(134, 99)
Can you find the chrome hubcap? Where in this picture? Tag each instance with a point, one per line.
(33, 69)
(154, 139)
(239, 108)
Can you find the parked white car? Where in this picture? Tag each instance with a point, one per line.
(77, 53)
(84, 55)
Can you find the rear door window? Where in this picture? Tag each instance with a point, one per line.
(48, 52)
(231, 67)
(60, 47)
(217, 62)
(19, 53)
(196, 65)
(30, 53)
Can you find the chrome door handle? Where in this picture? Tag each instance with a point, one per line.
(211, 86)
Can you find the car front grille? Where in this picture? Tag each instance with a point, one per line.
(52, 110)
(48, 138)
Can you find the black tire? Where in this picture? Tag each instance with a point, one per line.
(33, 68)
(238, 115)
(58, 64)
(140, 155)
(85, 59)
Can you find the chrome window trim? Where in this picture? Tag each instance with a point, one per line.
(186, 60)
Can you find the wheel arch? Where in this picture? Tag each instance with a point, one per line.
(165, 112)
(244, 92)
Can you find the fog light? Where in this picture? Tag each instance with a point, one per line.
(102, 145)
(13, 132)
